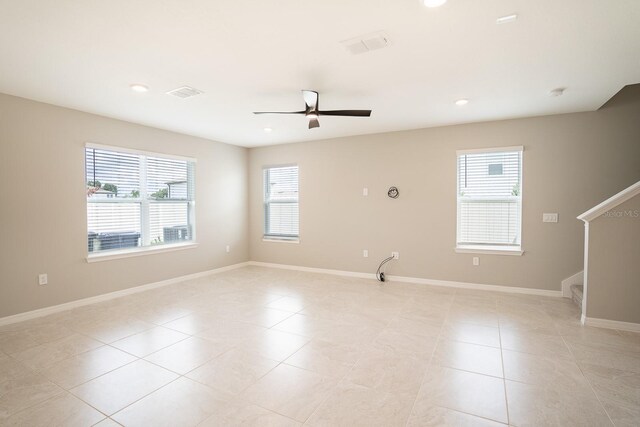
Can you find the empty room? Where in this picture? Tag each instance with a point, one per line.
(331, 213)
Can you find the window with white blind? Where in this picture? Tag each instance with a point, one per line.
(490, 199)
(281, 203)
(137, 201)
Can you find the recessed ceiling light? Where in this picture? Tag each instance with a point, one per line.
(268, 130)
(557, 92)
(506, 19)
(433, 3)
(461, 102)
(139, 88)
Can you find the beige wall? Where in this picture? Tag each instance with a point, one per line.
(43, 222)
(614, 264)
(571, 163)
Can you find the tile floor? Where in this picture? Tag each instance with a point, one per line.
(266, 347)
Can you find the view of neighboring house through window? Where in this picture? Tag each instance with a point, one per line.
(490, 199)
(137, 200)
(281, 203)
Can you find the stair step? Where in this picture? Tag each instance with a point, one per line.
(576, 294)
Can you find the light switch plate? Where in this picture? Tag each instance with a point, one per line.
(549, 217)
(365, 191)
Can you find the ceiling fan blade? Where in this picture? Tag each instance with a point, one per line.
(349, 113)
(311, 99)
(314, 123)
(279, 112)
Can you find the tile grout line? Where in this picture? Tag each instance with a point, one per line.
(162, 367)
(146, 395)
(153, 352)
(588, 381)
(41, 402)
(504, 374)
(12, 355)
(103, 374)
(63, 389)
(137, 358)
(344, 376)
(556, 320)
(429, 365)
(475, 373)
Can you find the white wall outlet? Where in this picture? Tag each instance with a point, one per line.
(476, 260)
(365, 253)
(395, 255)
(365, 191)
(228, 248)
(43, 279)
(549, 217)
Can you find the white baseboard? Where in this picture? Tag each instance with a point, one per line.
(576, 279)
(479, 286)
(111, 295)
(314, 270)
(416, 280)
(445, 283)
(611, 324)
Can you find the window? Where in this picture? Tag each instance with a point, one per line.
(490, 199)
(137, 200)
(281, 203)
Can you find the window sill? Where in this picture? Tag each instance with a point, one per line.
(139, 251)
(488, 250)
(276, 240)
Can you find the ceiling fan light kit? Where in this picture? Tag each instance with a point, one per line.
(312, 110)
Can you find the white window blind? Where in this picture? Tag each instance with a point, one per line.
(281, 202)
(137, 200)
(490, 198)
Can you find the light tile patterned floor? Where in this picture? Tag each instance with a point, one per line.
(267, 347)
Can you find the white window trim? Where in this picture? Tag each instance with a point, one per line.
(275, 238)
(138, 251)
(490, 150)
(489, 249)
(139, 152)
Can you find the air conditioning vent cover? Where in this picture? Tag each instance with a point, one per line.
(184, 92)
(366, 43)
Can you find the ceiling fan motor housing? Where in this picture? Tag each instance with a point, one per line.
(312, 111)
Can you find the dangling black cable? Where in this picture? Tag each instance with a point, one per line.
(379, 274)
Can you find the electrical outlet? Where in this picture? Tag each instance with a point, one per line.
(476, 260)
(228, 248)
(43, 279)
(395, 255)
(365, 253)
(365, 191)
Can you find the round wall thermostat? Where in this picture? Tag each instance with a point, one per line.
(393, 192)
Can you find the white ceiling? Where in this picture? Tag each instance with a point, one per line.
(251, 55)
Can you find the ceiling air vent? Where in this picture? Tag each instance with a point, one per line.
(184, 92)
(366, 43)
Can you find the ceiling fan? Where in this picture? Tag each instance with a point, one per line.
(312, 111)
